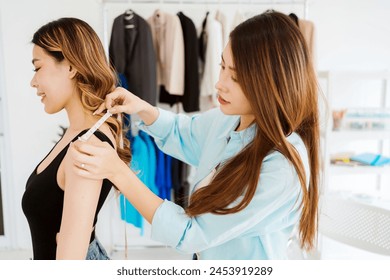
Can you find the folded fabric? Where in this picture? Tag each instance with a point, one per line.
(371, 159)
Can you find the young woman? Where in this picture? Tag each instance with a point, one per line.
(257, 155)
(61, 207)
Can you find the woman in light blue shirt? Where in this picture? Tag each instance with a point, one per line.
(256, 155)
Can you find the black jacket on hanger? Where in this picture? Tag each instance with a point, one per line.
(203, 39)
(132, 54)
(190, 99)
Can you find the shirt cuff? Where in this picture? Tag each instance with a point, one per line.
(169, 223)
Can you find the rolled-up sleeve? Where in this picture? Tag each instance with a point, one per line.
(169, 214)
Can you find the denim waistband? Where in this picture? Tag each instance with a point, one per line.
(96, 251)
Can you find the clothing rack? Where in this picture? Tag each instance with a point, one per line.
(182, 3)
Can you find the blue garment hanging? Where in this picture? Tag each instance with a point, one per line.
(168, 177)
(128, 213)
(139, 164)
(160, 180)
(150, 180)
(163, 174)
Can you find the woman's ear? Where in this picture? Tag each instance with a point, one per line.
(72, 72)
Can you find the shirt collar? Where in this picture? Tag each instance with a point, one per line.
(245, 136)
(159, 18)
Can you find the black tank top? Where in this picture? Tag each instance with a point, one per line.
(43, 200)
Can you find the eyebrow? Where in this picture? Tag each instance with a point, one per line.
(231, 68)
(34, 60)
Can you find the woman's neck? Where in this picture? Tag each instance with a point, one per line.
(245, 122)
(79, 118)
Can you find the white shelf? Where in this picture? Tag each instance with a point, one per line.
(333, 140)
(345, 170)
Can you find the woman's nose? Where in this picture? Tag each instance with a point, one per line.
(219, 86)
(33, 83)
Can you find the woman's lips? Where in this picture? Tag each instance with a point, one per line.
(222, 101)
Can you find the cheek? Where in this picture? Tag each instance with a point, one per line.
(53, 103)
(57, 99)
(248, 109)
(61, 88)
(245, 105)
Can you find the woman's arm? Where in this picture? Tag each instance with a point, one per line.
(101, 161)
(81, 197)
(139, 195)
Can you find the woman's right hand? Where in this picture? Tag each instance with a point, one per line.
(95, 161)
(123, 101)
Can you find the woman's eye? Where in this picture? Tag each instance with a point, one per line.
(222, 66)
(36, 69)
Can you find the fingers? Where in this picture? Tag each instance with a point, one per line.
(113, 101)
(88, 154)
(118, 109)
(84, 172)
(91, 161)
(107, 104)
(79, 158)
(88, 149)
(101, 108)
(83, 163)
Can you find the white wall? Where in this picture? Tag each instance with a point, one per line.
(351, 34)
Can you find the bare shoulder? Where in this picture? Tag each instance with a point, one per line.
(105, 129)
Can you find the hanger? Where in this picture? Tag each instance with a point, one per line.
(295, 18)
(129, 14)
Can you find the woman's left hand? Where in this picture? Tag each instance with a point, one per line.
(94, 161)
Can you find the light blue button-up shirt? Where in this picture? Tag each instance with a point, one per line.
(259, 231)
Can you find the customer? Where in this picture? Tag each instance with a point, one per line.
(71, 74)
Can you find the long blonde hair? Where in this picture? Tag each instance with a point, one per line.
(275, 71)
(74, 40)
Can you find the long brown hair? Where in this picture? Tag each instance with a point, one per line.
(275, 71)
(76, 41)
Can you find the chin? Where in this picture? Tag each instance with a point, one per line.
(51, 111)
(226, 112)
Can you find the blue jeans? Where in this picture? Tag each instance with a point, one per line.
(96, 251)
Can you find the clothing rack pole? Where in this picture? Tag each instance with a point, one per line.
(306, 9)
(300, 2)
(205, 2)
(105, 29)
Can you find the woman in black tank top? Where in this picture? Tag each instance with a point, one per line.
(72, 73)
